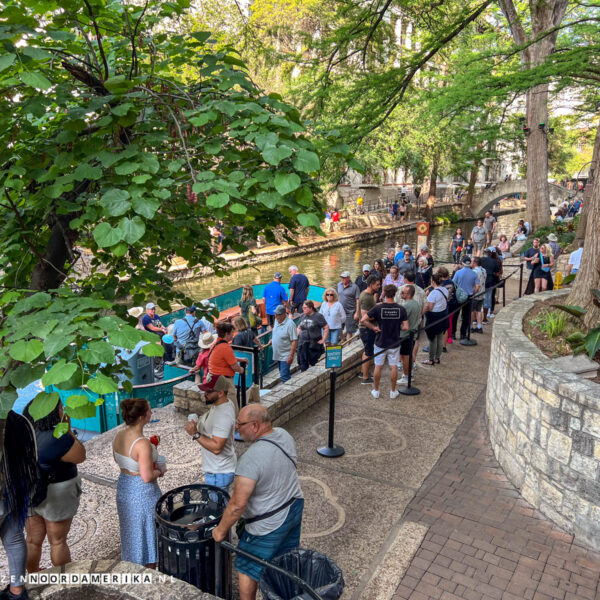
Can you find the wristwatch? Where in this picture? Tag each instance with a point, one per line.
(196, 436)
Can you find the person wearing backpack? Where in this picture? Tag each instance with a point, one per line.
(467, 285)
(186, 332)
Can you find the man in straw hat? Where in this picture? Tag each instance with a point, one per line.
(207, 339)
(214, 432)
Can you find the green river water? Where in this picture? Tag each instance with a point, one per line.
(324, 267)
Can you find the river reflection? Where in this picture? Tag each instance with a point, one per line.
(325, 267)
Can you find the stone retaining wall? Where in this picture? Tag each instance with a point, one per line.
(286, 400)
(544, 426)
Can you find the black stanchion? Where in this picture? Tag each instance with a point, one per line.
(409, 390)
(331, 451)
(256, 365)
(468, 341)
(241, 396)
(521, 280)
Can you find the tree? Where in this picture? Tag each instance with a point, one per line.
(545, 18)
(122, 137)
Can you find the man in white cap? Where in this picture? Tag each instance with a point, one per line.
(348, 295)
(214, 432)
(284, 340)
(361, 280)
(152, 322)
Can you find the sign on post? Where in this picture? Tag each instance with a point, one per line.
(333, 357)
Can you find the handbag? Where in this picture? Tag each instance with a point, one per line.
(461, 295)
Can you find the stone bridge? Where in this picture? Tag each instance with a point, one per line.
(486, 199)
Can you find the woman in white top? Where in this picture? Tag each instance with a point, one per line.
(137, 490)
(334, 314)
(435, 324)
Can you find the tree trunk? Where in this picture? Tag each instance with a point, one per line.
(58, 258)
(538, 192)
(587, 195)
(467, 208)
(432, 190)
(588, 276)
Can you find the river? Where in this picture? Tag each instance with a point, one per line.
(325, 267)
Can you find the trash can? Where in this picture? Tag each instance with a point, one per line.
(318, 570)
(184, 518)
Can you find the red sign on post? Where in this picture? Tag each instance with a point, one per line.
(423, 228)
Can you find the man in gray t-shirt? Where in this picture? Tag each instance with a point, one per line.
(266, 483)
(349, 294)
(478, 237)
(490, 223)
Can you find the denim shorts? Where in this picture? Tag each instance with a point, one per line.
(221, 480)
(367, 337)
(278, 542)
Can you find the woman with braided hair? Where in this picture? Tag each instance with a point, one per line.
(21, 487)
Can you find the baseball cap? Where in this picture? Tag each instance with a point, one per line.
(216, 383)
(280, 310)
(405, 247)
(167, 339)
(150, 305)
(466, 260)
(277, 275)
(192, 308)
(345, 274)
(366, 267)
(491, 249)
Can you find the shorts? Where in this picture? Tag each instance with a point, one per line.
(220, 480)
(477, 246)
(278, 542)
(367, 337)
(488, 299)
(392, 354)
(62, 501)
(350, 326)
(477, 305)
(405, 347)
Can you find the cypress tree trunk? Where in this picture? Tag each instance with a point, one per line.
(588, 276)
(467, 208)
(587, 195)
(432, 190)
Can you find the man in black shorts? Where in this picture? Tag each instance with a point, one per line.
(366, 302)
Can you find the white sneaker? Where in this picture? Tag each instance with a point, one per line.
(394, 394)
(491, 316)
(403, 380)
(375, 394)
(414, 368)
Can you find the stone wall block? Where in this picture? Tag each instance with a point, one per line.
(588, 467)
(559, 446)
(181, 403)
(574, 424)
(591, 423)
(573, 408)
(551, 495)
(583, 443)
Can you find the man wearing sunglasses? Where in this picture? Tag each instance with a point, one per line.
(266, 493)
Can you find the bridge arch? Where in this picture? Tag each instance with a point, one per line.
(486, 199)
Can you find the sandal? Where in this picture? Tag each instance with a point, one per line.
(436, 361)
(428, 362)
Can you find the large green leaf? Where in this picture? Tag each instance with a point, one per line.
(97, 353)
(61, 429)
(126, 337)
(6, 60)
(114, 202)
(275, 154)
(217, 200)
(307, 161)
(59, 372)
(146, 206)
(309, 220)
(7, 399)
(131, 229)
(87, 171)
(127, 168)
(26, 351)
(576, 311)
(76, 400)
(101, 384)
(286, 183)
(85, 410)
(25, 374)
(43, 404)
(118, 84)
(107, 236)
(35, 80)
(55, 342)
(592, 342)
(153, 350)
(238, 208)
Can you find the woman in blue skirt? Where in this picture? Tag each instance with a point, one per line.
(137, 490)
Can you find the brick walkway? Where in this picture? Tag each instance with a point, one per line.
(484, 541)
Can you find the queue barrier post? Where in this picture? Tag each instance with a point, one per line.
(409, 390)
(521, 280)
(241, 397)
(331, 450)
(468, 341)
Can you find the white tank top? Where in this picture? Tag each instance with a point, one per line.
(128, 463)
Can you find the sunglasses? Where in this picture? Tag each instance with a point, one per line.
(328, 294)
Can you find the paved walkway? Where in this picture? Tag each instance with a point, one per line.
(483, 540)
